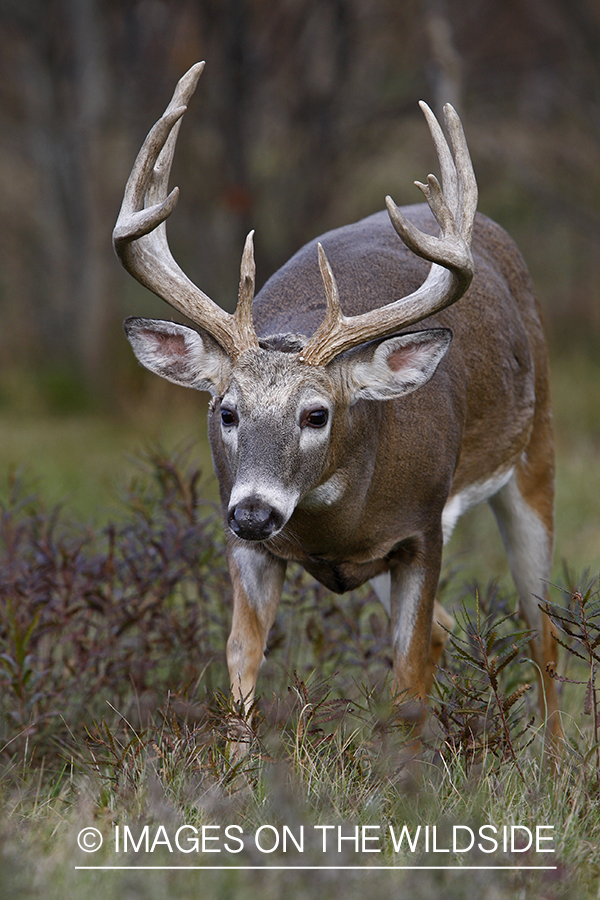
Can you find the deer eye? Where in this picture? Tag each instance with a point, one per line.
(228, 416)
(314, 418)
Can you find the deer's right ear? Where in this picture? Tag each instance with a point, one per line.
(178, 353)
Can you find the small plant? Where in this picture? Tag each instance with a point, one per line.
(480, 709)
(578, 620)
(122, 615)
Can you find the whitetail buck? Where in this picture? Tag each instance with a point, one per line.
(341, 443)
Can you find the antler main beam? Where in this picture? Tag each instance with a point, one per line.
(454, 208)
(140, 237)
(140, 241)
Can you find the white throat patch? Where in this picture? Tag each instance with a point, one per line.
(325, 494)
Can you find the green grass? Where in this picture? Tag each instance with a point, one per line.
(83, 461)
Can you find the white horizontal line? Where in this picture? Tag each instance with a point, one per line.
(304, 868)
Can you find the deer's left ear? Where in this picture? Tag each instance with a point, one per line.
(387, 369)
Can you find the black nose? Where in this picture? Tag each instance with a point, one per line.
(254, 520)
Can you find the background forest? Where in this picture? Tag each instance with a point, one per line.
(305, 117)
(112, 636)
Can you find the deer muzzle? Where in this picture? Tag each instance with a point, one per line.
(253, 519)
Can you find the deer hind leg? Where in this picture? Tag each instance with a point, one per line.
(413, 580)
(524, 512)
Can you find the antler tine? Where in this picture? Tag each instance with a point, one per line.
(243, 313)
(454, 208)
(333, 314)
(331, 329)
(184, 90)
(467, 183)
(444, 155)
(145, 201)
(452, 270)
(140, 237)
(135, 219)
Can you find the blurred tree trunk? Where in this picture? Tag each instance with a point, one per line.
(305, 118)
(62, 86)
(88, 238)
(445, 66)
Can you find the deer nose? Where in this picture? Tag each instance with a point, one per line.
(254, 520)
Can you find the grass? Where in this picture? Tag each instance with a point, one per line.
(111, 713)
(83, 460)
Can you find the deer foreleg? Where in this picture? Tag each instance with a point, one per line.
(257, 577)
(441, 626)
(414, 579)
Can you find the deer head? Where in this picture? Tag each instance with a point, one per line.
(283, 401)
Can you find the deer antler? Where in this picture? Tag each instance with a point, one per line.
(452, 270)
(140, 236)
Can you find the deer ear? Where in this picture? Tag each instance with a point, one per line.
(178, 353)
(385, 370)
